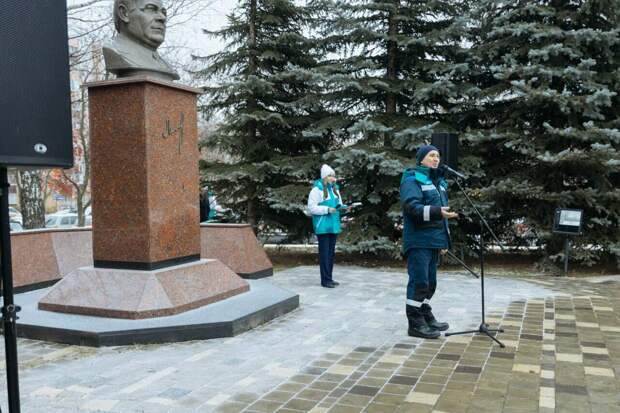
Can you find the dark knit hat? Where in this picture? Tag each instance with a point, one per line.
(422, 152)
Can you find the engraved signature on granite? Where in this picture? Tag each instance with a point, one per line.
(168, 131)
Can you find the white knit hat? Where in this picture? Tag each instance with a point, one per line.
(326, 171)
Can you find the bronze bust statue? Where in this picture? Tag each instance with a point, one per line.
(141, 27)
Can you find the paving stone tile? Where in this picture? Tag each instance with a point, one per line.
(364, 390)
(387, 398)
(338, 392)
(355, 400)
(315, 371)
(396, 389)
(365, 349)
(428, 388)
(404, 380)
(312, 394)
(345, 409)
(447, 356)
(432, 378)
(503, 355)
(323, 385)
(570, 358)
(380, 408)
(467, 369)
(278, 396)
(291, 387)
(597, 371)
(526, 368)
(571, 389)
(464, 386)
(303, 378)
(422, 398)
(265, 406)
(300, 404)
(405, 346)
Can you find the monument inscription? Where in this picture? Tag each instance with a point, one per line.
(168, 131)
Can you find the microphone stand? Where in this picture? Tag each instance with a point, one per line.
(457, 259)
(484, 327)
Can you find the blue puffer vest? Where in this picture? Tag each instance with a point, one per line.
(421, 199)
(330, 223)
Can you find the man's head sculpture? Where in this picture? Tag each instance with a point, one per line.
(141, 27)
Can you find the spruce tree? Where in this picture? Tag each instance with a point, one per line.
(397, 74)
(548, 134)
(261, 85)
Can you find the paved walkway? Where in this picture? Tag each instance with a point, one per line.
(346, 350)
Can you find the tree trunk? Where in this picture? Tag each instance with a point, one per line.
(31, 199)
(392, 54)
(252, 105)
(80, 210)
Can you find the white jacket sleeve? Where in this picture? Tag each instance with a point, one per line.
(314, 199)
(214, 205)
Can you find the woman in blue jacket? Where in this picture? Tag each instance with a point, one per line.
(325, 205)
(424, 200)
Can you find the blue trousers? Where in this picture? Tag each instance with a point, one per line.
(327, 250)
(422, 270)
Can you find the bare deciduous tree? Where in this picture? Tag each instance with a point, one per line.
(90, 23)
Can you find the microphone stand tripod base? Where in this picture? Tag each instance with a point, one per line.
(482, 329)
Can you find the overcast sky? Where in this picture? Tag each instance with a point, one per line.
(214, 18)
(189, 34)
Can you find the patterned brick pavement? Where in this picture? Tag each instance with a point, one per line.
(562, 355)
(346, 350)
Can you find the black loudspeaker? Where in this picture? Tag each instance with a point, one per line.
(447, 143)
(35, 94)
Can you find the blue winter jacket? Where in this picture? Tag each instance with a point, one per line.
(421, 199)
(329, 223)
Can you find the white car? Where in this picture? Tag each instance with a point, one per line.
(15, 215)
(16, 226)
(65, 220)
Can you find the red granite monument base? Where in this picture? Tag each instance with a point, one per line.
(146, 233)
(120, 293)
(236, 246)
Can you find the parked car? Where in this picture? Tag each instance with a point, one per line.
(16, 226)
(15, 215)
(65, 211)
(65, 220)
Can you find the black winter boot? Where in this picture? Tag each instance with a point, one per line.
(417, 324)
(430, 319)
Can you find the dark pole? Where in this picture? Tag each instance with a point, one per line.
(460, 261)
(484, 327)
(9, 310)
(482, 268)
(566, 252)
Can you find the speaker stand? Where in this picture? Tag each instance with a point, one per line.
(9, 309)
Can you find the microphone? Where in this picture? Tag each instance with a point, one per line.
(446, 168)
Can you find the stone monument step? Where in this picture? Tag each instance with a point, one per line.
(227, 318)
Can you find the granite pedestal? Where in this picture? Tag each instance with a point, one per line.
(41, 257)
(144, 154)
(225, 318)
(146, 231)
(134, 294)
(237, 247)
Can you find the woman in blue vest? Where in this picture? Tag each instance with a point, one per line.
(424, 200)
(325, 205)
(209, 208)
